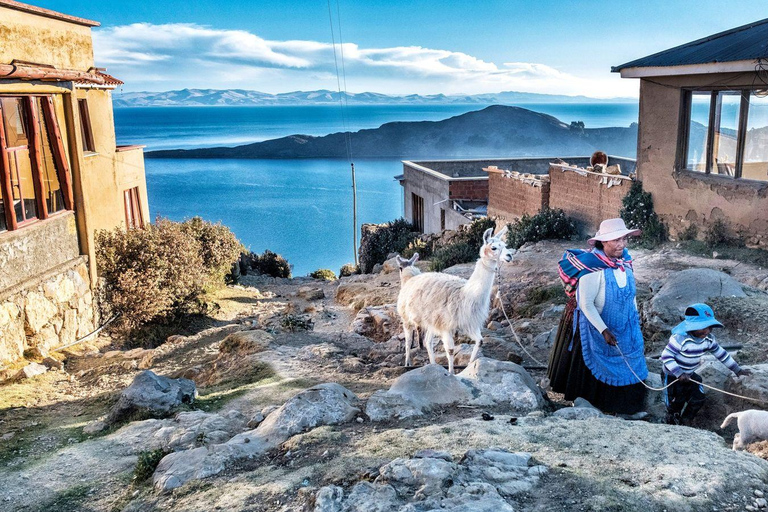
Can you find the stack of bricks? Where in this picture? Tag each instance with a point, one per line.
(512, 195)
(585, 196)
(470, 190)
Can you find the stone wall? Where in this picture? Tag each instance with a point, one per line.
(511, 196)
(586, 196)
(48, 312)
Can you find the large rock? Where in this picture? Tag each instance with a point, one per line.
(485, 382)
(326, 404)
(480, 483)
(38, 312)
(377, 322)
(753, 386)
(688, 287)
(31, 370)
(152, 395)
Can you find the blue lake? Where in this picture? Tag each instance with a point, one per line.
(301, 209)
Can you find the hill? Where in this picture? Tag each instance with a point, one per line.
(493, 131)
(241, 97)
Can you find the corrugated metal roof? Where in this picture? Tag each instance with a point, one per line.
(748, 42)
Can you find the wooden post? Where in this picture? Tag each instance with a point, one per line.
(34, 148)
(5, 182)
(354, 213)
(59, 155)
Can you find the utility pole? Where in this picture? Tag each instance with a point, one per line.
(354, 213)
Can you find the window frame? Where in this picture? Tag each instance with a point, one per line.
(417, 212)
(86, 131)
(34, 139)
(683, 139)
(133, 217)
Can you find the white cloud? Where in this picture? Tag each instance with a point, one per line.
(169, 56)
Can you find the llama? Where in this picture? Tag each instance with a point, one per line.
(441, 304)
(753, 427)
(407, 268)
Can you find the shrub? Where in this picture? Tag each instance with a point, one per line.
(689, 233)
(638, 213)
(348, 269)
(150, 273)
(147, 463)
(719, 233)
(472, 234)
(295, 323)
(418, 246)
(548, 224)
(379, 241)
(219, 248)
(451, 255)
(323, 273)
(271, 264)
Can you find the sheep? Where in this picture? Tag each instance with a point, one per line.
(441, 304)
(753, 426)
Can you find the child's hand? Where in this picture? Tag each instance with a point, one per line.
(744, 372)
(684, 378)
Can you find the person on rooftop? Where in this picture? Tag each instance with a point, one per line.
(599, 352)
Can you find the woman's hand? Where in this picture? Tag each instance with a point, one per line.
(609, 338)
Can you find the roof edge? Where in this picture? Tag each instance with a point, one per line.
(31, 9)
(736, 66)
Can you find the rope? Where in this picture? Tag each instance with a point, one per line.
(512, 328)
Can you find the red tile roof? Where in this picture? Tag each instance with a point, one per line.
(108, 79)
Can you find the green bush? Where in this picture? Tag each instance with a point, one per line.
(451, 255)
(689, 233)
(548, 224)
(219, 246)
(348, 269)
(270, 264)
(323, 273)
(472, 235)
(719, 233)
(418, 246)
(147, 463)
(638, 213)
(161, 271)
(380, 241)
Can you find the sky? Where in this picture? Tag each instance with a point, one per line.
(394, 46)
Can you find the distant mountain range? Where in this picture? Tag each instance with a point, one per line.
(240, 97)
(495, 131)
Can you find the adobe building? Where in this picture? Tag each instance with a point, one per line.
(62, 178)
(702, 148)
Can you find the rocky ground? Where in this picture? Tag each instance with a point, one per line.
(268, 432)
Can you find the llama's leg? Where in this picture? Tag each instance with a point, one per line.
(408, 331)
(737, 443)
(450, 347)
(429, 341)
(478, 339)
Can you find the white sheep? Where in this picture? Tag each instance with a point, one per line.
(753, 427)
(441, 304)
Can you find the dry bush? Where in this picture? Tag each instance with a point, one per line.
(219, 248)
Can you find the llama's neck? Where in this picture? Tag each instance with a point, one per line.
(479, 284)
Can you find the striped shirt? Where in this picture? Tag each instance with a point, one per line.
(684, 352)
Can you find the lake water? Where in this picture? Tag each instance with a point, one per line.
(301, 209)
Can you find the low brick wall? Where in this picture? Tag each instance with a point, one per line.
(48, 312)
(510, 196)
(586, 197)
(475, 190)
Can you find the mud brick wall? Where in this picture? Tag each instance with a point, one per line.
(511, 198)
(584, 198)
(468, 189)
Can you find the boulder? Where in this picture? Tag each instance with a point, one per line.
(390, 266)
(429, 386)
(311, 293)
(31, 370)
(754, 386)
(379, 323)
(152, 395)
(53, 364)
(325, 404)
(460, 357)
(577, 413)
(502, 383)
(686, 287)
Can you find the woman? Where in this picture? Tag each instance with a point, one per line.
(599, 350)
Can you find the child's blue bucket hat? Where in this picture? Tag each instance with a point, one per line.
(697, 316)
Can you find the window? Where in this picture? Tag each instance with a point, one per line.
(442, 219)
(725, 133)
(85, 127)
(133, 217)
(417, 212)
(34, 175)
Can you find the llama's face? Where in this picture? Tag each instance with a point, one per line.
(494, 248)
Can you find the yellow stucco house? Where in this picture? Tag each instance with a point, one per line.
(62, 178)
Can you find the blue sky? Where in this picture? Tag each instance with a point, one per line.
(395, 46)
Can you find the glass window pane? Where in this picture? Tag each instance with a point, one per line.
(696, 160)
(755, 166)
(15, 122)
(726, 127)
(52, 192)
(22, 186)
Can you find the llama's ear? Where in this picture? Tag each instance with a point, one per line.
(501, 233)
(487, 235)
(414, 258)
(400, 260)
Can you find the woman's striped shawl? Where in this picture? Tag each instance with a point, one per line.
(577, 263)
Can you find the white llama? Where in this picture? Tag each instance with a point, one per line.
(407, 267)
(441, 304)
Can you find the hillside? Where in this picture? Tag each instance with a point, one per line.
(493, 131)
(241, 97)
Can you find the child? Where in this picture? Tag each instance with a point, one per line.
(690, 340)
